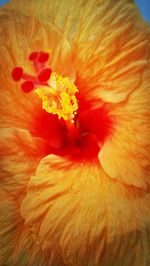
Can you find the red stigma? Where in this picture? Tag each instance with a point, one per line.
(33, 56)
(43, 57)
(44, 74)
(39, 57)
(17, 73)
(27, 86)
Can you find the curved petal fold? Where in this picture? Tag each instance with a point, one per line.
(88, 218)
(17, 246)
(20, 153)
(125, 156)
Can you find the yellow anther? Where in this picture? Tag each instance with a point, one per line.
(59, 98)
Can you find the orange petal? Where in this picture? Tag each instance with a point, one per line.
(17, 247)
(114, 57)
(19, 36)
(89, 218)
(110, 42)
(11, 225)
(125, 156)
(20, 154)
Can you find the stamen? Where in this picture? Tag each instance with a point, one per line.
(59, 98)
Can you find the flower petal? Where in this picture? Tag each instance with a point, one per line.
(19, 35)
(110, 42)
(125, 156)
(112, 62)
(17, 247)
(86, 216)
(20, 154)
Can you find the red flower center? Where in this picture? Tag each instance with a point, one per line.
(81, 139)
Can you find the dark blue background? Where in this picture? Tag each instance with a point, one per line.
(144, 6)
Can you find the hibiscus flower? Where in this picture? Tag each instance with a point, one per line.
(74, 134)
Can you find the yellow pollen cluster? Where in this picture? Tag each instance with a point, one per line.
(59, 98)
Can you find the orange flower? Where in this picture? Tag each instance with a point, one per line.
(75, 168)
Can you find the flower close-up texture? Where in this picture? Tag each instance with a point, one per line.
(74, 133)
